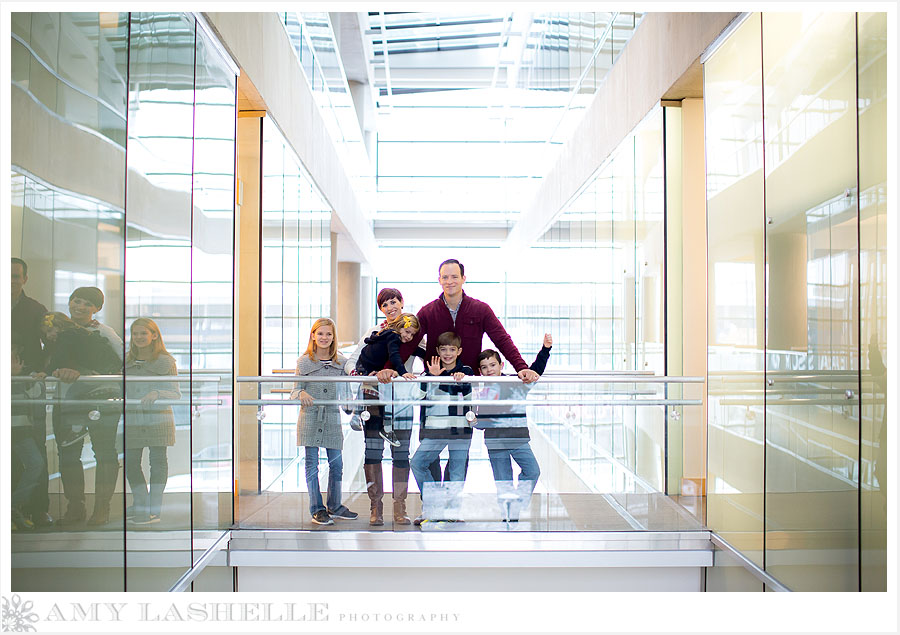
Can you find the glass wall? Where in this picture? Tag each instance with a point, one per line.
(602, 284)
(732, 98)
(136, 256)
(296, 282)
(606, 249)
(788, 236)
(873, 296)
(812, 350)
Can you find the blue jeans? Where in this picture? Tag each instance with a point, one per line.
(335, 474)
(147, 502)
(26, 451)
(429, 450)
(501, 464)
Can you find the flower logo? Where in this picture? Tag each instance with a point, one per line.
(18, 616)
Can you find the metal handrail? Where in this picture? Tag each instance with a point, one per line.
(797, 402)
(126, 377)
(129, 402)
(475, 402)
(476, 379)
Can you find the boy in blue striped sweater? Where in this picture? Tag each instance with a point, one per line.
(506, 431)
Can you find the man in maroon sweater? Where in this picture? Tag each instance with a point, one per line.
(469, 318)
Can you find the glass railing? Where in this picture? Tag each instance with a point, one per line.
(136, 489)
(571, 452)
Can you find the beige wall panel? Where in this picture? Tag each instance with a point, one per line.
(247, 293)
(694, 277)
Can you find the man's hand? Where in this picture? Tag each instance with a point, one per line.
(434, 366)
(528, 376)
(385, 375)
(548, 340)
(66, 375)
(458, 376)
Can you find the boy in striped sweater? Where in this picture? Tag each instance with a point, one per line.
(506, 431)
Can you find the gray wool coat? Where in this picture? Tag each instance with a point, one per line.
(319, 426)
(152, 425)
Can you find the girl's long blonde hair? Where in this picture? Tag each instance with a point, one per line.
(402, 321)
(311, 347)
(157, 346)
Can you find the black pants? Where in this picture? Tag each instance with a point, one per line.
(103, 443)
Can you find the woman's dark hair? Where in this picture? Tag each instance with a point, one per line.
(388, 293)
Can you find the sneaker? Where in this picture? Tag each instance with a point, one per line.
(148, 519)
(321, 517)
(19, 522)
(343, 513)
(390, 437)
(42, 519)
(71, 438)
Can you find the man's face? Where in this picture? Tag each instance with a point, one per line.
(448, 354)
(17, 279)
(451, 279)
(81, 310)
(491, 367)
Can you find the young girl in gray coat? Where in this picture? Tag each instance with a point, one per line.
(320, 426)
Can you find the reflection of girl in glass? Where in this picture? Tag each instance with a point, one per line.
(148, 425)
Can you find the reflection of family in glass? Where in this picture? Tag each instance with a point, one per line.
(85, 358)
(453, 326)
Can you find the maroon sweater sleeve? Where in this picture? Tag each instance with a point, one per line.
(501, 338)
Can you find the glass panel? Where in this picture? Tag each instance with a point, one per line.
(873, 294)
(686, 446)
(158, 300)
(563, 437)
(732, 94)
(812, 351)
(212, 294)
(729, 574)
(69, 232)
(623, 256)
(649, 212)
(296, 283)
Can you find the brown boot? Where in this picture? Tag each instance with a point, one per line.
(375, 489)
(401, 485)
